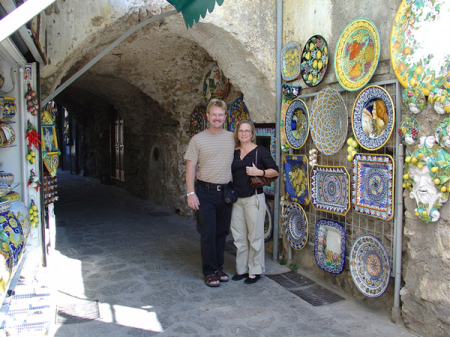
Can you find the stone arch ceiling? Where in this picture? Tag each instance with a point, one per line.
(167, 62)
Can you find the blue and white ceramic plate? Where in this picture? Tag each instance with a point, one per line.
(296, 178)
(329, 246)
(297, 123)
(329, 121)
(373, 185)
(296, 226)
(373, 117)
(369, 266)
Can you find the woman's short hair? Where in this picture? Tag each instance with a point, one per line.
(238, 126)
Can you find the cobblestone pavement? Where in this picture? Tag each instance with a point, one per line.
(125, 267)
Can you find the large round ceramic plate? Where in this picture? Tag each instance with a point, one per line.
(290, 61)
(297, 123)
(296, 226)
(418, 53)
(373, 117)
(314, 60)
(329, 121)
(370, 266)
(329, 246)
(283, 139)
(357, 54)
(197, 121)
(238, 112)
(215, 85)
(268, 223)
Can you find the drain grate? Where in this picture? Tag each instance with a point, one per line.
(158, 214)
(77, 313)
(306, 288)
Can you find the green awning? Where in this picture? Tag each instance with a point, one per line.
(193, 9)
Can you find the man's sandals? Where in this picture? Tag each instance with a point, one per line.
(214, 280)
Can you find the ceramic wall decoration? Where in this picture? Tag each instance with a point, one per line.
(440, 99)
(427, 177)
(268, 223)
(413, 99)
(7, 134)
(442, 134)
(373, 185)
(296, 225)
(314, 61)
(296, 178)
(330, 189)
(409, 130)
(238, 112)
(285, 102)
(49, 143)
(7, 108)
(291, 91)
(197, 121)
(373, 117)
(215, 85)
(12, 228)
(329, 121)
(290, 61)
(357, 54)
(352, 148)
(265, 136)
(297, 123)
(416, 59)
(21, 212)
(370, 266)
(6, 181)
(329, 246)
(6, 262)
(32, 101)
(313, 157)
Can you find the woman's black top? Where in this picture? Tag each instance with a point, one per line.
(241, 181)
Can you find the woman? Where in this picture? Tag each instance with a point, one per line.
(247, 218)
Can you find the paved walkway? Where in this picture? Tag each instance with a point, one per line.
(125, 267)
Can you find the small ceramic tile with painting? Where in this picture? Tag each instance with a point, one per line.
(330, 189)
(296, 178)
(296, 226)
(373, 185)
(329, 246)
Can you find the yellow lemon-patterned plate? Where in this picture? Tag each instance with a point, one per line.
(314, 60)
(290, 61)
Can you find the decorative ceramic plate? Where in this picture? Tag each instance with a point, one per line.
(296, 226)
(8, 133)
(215, 85)
(314, 60)
(357, 54)
(370, 266)
(12, 228)
(268, 223)
(329, 246)
(197, 121)
(416, 37)
(373, 185)
(296, 178)
(285, 102)
(290, 61)
(329, 121)
(373, 117)
(297, 123)
(330, 189)
(238, 112)
(267, 132)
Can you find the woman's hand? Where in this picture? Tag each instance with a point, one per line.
(253, 171)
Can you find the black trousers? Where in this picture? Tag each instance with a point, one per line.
(213, 225)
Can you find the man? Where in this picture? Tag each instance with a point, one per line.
(212, 152)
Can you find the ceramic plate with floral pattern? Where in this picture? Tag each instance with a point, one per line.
(297, 123)
(197, 121)
(296, 178)
(314, 60)
(290, 61)
(417, 33)
(369, 266)
(330, 189)
(238, 112)
(296, 226)
(373, 117)
(329, 246)
(357, 54)
(373, 185)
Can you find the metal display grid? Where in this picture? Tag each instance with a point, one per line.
(355, 224)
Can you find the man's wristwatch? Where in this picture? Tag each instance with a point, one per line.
(190, 193)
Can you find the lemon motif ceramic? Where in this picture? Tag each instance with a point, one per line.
(290, 61)
(314, 60)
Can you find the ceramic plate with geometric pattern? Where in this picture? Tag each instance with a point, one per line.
(296, 226)
(329, 246)
(330, 189)
(369, 266)
(373, 185)
(297, 123)
(296, 178)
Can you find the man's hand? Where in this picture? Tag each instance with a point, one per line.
(193, 201)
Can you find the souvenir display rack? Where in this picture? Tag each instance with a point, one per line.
(357, 224)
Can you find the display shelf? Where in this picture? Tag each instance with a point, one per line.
(7, 146)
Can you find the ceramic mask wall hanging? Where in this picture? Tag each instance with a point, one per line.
(440, 99)
(413, 99)
(427, 177)
(416, 39)
(442, 134)
(409, 130)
